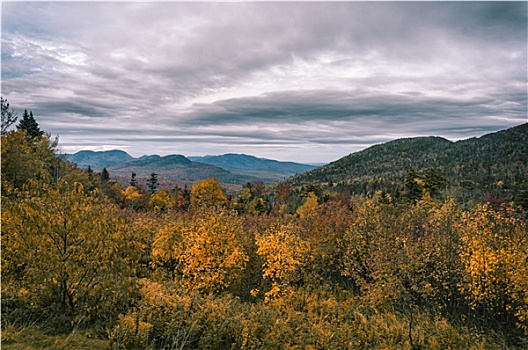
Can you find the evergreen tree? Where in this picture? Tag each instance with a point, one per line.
(133, 181)
(413, 185)
(30, 126)
(434, 181)
(152, 183)
(105, 176)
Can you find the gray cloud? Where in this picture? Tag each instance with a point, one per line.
(277, 79)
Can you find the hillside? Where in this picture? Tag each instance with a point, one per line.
(267, 169)
(475, 165)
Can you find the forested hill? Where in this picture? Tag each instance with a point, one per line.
(475, 164)
(267, 169)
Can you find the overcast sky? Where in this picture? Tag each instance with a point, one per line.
(307, 82)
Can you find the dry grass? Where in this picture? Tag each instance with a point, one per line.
(32, 338)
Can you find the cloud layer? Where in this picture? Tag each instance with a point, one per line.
(309, 82)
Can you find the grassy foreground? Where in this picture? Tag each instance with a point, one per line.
(32, 338)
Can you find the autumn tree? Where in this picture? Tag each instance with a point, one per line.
(23, 160)
(309, 206)
(283, 252)
(207, 250)
(181, 197)
(207, 193)
(494, 254)
(251, 199)
(283, 193)
(132, 196)
(161, 201)
(64, 249)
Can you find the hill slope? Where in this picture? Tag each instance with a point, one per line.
(476, 164)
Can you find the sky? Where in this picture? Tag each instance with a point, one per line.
(309, 82)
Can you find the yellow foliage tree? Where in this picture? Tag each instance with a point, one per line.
(131, 195)
(160, 201)
(64, 248)
(167, 247)
(309, 207)
(283, 252)
(24, 160)
(207, 250)
(207, 193)
(495, 257)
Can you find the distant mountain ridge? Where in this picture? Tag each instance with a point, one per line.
(252, 166)
(229, 168)
(98, 160)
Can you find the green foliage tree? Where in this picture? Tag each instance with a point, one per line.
(413, 185)
(152, 183)
(105, 175)
(30, 126)
(434, 181)
(133, 180)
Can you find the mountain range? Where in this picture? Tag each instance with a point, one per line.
(474, 165)
(228, 168)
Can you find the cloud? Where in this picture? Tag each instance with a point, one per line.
(274, 78)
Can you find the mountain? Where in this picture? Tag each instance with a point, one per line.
(98, 160)
(180, 168)
(267, 169)
(176, 167)
(474, 165)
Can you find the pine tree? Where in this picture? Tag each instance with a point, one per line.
(133, 181)
(152, 183)
(413, 184)
(105, 176)
(30, 126)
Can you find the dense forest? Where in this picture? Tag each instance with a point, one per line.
(470, 168)
(400, 255)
